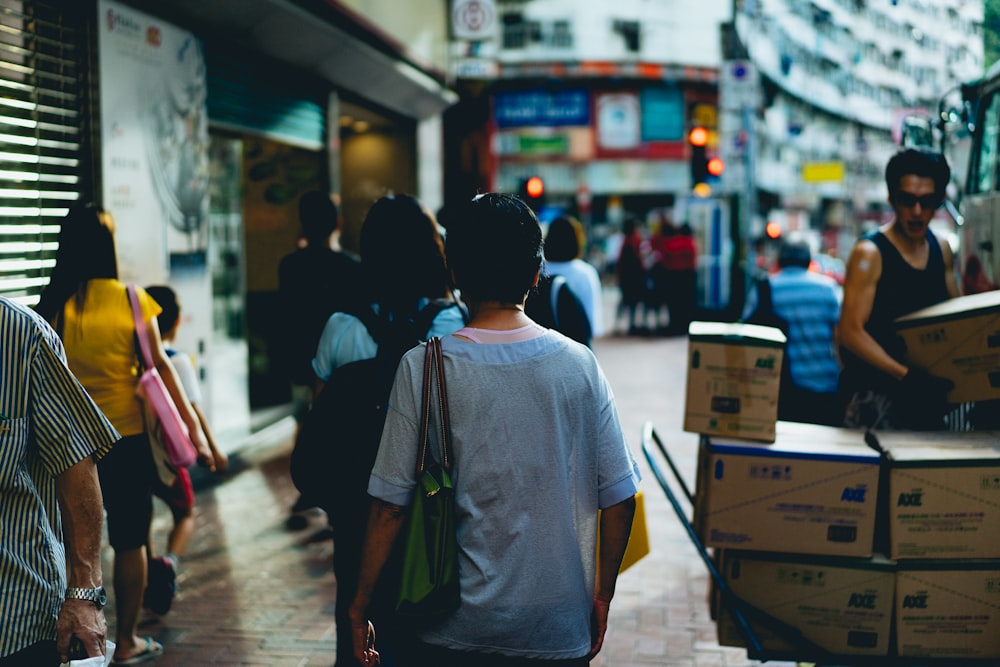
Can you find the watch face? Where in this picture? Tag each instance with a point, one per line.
(102, 598)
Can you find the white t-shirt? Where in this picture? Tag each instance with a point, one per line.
(184, 367)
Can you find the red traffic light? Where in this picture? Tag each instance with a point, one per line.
(716, 166)
(534, 187)
(773, 230)
(698, 136)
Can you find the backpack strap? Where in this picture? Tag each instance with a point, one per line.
(554, 286)
(372, 322)
(764, 294)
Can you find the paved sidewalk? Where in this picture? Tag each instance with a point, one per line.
(253, 593)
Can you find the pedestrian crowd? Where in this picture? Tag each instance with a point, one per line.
(537, 560)
(532, 446)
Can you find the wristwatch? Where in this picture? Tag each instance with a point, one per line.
(96, 595)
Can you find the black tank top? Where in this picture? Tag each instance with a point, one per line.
(901, 290)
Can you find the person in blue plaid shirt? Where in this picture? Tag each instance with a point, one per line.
(809, 304)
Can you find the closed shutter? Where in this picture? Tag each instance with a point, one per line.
(42, 114)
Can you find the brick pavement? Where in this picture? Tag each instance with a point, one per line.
(254, 594)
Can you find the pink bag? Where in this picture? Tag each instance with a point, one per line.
(164, 425)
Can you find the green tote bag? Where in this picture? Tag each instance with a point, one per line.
(428, 587)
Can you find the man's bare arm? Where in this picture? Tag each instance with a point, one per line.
(864, 268)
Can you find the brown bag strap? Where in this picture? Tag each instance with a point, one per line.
(434, 370)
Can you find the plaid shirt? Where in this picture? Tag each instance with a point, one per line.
(809, 303)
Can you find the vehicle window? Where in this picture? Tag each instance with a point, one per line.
(986, 160)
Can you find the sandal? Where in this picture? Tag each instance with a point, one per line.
(154, 649)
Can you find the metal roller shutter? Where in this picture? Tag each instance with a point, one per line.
(43, 108)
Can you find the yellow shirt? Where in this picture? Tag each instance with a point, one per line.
(101, 349)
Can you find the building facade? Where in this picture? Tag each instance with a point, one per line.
(595, 98)
(836, 79)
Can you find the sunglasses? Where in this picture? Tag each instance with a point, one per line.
(909, 200)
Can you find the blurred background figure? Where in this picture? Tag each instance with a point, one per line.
(315, 281)
(680, 260)
(974, 280)
(808, 305)
(563, 246)
(659, 283)
(178, 494)
(633, 281)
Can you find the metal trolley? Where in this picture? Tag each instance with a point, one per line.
(743, 612)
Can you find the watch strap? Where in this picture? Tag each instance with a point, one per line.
(95, 595)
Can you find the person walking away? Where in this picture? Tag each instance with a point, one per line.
(630, 269)
(680, 262)
(51, 584)
(808, 304)
(402, 260)
(553, 305)
(563, 245)
(161, 583)
(89, 307)
(659, 278)
(537, 449)
(898, 269)
(314, 282)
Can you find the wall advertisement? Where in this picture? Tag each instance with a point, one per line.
(154, 158)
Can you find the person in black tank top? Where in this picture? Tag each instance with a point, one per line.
(899, 269)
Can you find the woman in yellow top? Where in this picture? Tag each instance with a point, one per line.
(87, 304)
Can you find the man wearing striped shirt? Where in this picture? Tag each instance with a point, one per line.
(51, 434)
(810, 306)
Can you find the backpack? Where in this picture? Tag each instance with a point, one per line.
(554, 305)
(336, 445)
(764, 314)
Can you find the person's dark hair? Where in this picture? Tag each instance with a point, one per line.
(86, 251)
(494, 248)
(165, 296)
(794, 253)
(318, 216)
(402, 254)
(917, 162)
(562, 241)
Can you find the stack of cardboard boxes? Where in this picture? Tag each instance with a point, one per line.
(878, 544)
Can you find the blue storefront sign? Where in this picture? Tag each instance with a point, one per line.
(529, 108)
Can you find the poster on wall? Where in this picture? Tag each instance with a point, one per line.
(155, 159)
(154, 126)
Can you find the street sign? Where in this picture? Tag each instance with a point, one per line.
(473, 19)
(821, 172)
(739, 85)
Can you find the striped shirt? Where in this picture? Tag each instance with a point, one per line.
(809, 303)
(48, 423)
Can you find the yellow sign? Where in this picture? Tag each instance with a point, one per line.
(817, 172)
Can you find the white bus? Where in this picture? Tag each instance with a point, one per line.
(967, 131)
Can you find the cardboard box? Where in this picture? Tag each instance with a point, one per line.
(842, 605)
(734, 372)
(958, 339)
(814, 490)
(948, 609)
(943, 494)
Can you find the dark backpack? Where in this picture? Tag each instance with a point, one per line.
(764, 314)
(339, 437)
(554, 305)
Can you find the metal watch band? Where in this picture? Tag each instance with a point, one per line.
(95, 595)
